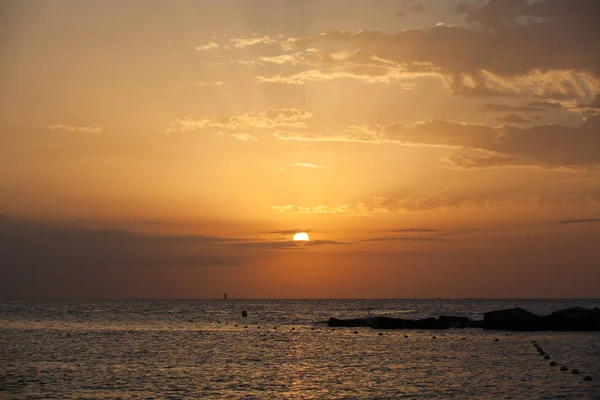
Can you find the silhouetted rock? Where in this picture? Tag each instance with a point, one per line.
(575, 319)
(429, 323)
(476, 324)
(391, 323)
(514, 319)
(454, 322)
(347, 323)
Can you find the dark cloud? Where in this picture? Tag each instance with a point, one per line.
(414, 9)
(549, 48)
(533, 107)
(514, 119)
(288, 244)
(414, 230)
(404, 239)
(579, 221)
(288, 231)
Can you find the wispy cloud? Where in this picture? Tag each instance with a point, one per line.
(75, 128)
(208, 46)
(217, 83)
(244, 137)
(579, 221)
(289, 118)
(305, 165)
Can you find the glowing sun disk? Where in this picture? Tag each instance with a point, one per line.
(301, 237)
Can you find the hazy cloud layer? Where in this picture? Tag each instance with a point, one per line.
(74, 128)
(479, 146)
(579, 221)
(547, 48)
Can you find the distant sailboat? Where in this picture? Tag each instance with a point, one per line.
(225, 296)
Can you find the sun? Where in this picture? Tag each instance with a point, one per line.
(301, 237)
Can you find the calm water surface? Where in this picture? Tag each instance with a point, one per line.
(183, 349)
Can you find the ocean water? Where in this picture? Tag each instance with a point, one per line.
(282, 350)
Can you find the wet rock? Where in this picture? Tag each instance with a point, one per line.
(514, 319)
(347, 323)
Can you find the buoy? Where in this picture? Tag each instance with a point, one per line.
(246, 327)
(356, 332)
(258, 327)
(563, 368)
(546, 357)
(542, 353)
(464, 338)
(574, 371)
(380, 334)
(274, 327)
(218, 322)
(496, 340)
(312, 329)
(587, 378)
(534, 342)
(236, 326)
(553, 363)
(244, 313)
(293, 328)
(405, 336)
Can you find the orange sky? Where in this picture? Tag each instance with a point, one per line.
(172, 149)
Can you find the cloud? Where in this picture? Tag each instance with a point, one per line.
(208, 46)
(404, 239)
(241, 43)
(400, 204)
(72, 128)
(305, 165)
(579, 221)
(414, 9)
(289, 244)
(288, 231)
(545, 48)
(217, 83)
(244, 137)
(420, 230)
(479, 146)
(528, 107)
(289, 118)
(514, 119)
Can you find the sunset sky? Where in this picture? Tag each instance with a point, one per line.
(171, 149)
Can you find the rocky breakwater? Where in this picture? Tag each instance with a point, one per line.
(518, 319)
(514, 319)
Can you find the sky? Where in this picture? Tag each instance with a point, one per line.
(171, 149)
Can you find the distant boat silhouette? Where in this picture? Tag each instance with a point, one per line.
(225, 296)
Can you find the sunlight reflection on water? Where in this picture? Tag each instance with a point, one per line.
(151, 349)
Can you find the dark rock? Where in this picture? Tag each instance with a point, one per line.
(347, 323)
(514, 319)
(454, 322)
(244, 313)
(476, 324)
(429, 323)
(391, 323)
(575, 319)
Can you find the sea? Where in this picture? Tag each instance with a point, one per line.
(283, 349)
